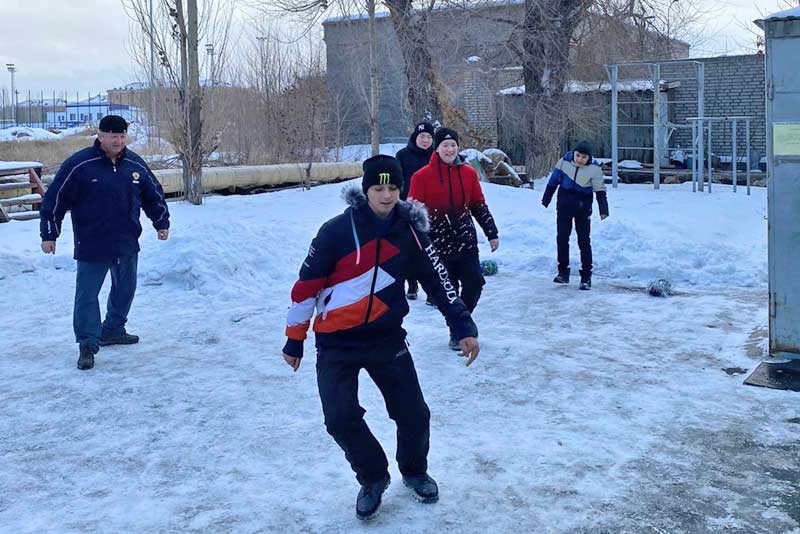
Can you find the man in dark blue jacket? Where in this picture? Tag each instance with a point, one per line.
(354, 275)
(104, 187)
(412, 158)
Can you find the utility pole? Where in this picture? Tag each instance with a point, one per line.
(261, 68)
(210, 50)
(12, 69)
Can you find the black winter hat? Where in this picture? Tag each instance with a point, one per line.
(381, 170)
(584, 147)
(443, 134)
(113, 124)
(423, 127)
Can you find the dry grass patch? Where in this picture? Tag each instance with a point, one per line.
(50, 153)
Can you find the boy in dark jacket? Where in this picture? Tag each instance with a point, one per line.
(576, 176)
(354, 276)
(412, 158)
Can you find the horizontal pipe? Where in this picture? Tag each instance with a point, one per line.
(216, 178)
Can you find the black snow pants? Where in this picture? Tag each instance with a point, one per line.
(465, 274)
(392, 370)
(566, 213)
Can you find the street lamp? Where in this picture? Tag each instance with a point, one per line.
(210, 50)
(262, 69)
(12, 69)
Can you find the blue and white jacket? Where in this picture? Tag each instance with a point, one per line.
(575, 186)
(104, 198)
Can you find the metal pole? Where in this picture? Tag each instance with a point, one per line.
(694, 156)
(12, 69)
(614, 126)
(734, 156)
(710, 152)
(700, 113)
(701, 154)
(656, 71)
(749, 163)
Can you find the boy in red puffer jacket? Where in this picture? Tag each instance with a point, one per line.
(453, 195)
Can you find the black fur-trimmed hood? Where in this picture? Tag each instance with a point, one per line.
(412, 211)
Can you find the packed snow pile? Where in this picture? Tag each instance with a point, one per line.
(25, 133)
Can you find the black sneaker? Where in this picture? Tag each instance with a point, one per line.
(429, 302)
(454, 345)
(86, 358)
(120, 338)
(586, 285)
(411, 295)
(369, 498)
(423, 487)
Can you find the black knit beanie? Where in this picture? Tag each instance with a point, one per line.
(584, 147)
(113, 124)
(381, 170)
(443, 134)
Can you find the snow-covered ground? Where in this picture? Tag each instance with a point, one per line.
(591, 412)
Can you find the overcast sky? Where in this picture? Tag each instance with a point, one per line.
(84, 45)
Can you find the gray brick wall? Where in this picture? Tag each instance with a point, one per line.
(734, 86)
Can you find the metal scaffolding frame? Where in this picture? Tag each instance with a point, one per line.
(703, 125)
(659, 126)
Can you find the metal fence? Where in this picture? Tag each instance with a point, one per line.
(62, 109)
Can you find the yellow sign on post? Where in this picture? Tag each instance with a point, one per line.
(786, 139)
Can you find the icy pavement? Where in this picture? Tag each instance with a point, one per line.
(588, 412)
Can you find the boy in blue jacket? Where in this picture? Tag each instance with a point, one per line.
(576, 176)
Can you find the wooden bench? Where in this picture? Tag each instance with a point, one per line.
(20, 186)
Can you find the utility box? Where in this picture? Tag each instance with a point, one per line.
(782, 32)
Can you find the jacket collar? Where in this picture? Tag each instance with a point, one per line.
(412, 146)
(101, 152)
(405, 212)
(436, 160)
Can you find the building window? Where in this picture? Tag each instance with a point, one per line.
(72, 116)
(61, 118)
(99, 116)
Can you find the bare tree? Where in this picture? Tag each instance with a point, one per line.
(548, 27)
(424, 83)
(312, 11)
(174, 32)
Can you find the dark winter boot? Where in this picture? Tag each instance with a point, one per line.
(586, 280)
(413, 287)
(423, 487)
(454, 344)
(120, 338)
(428, 301)
(562, 277)
(369, 498)
(86, 358)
